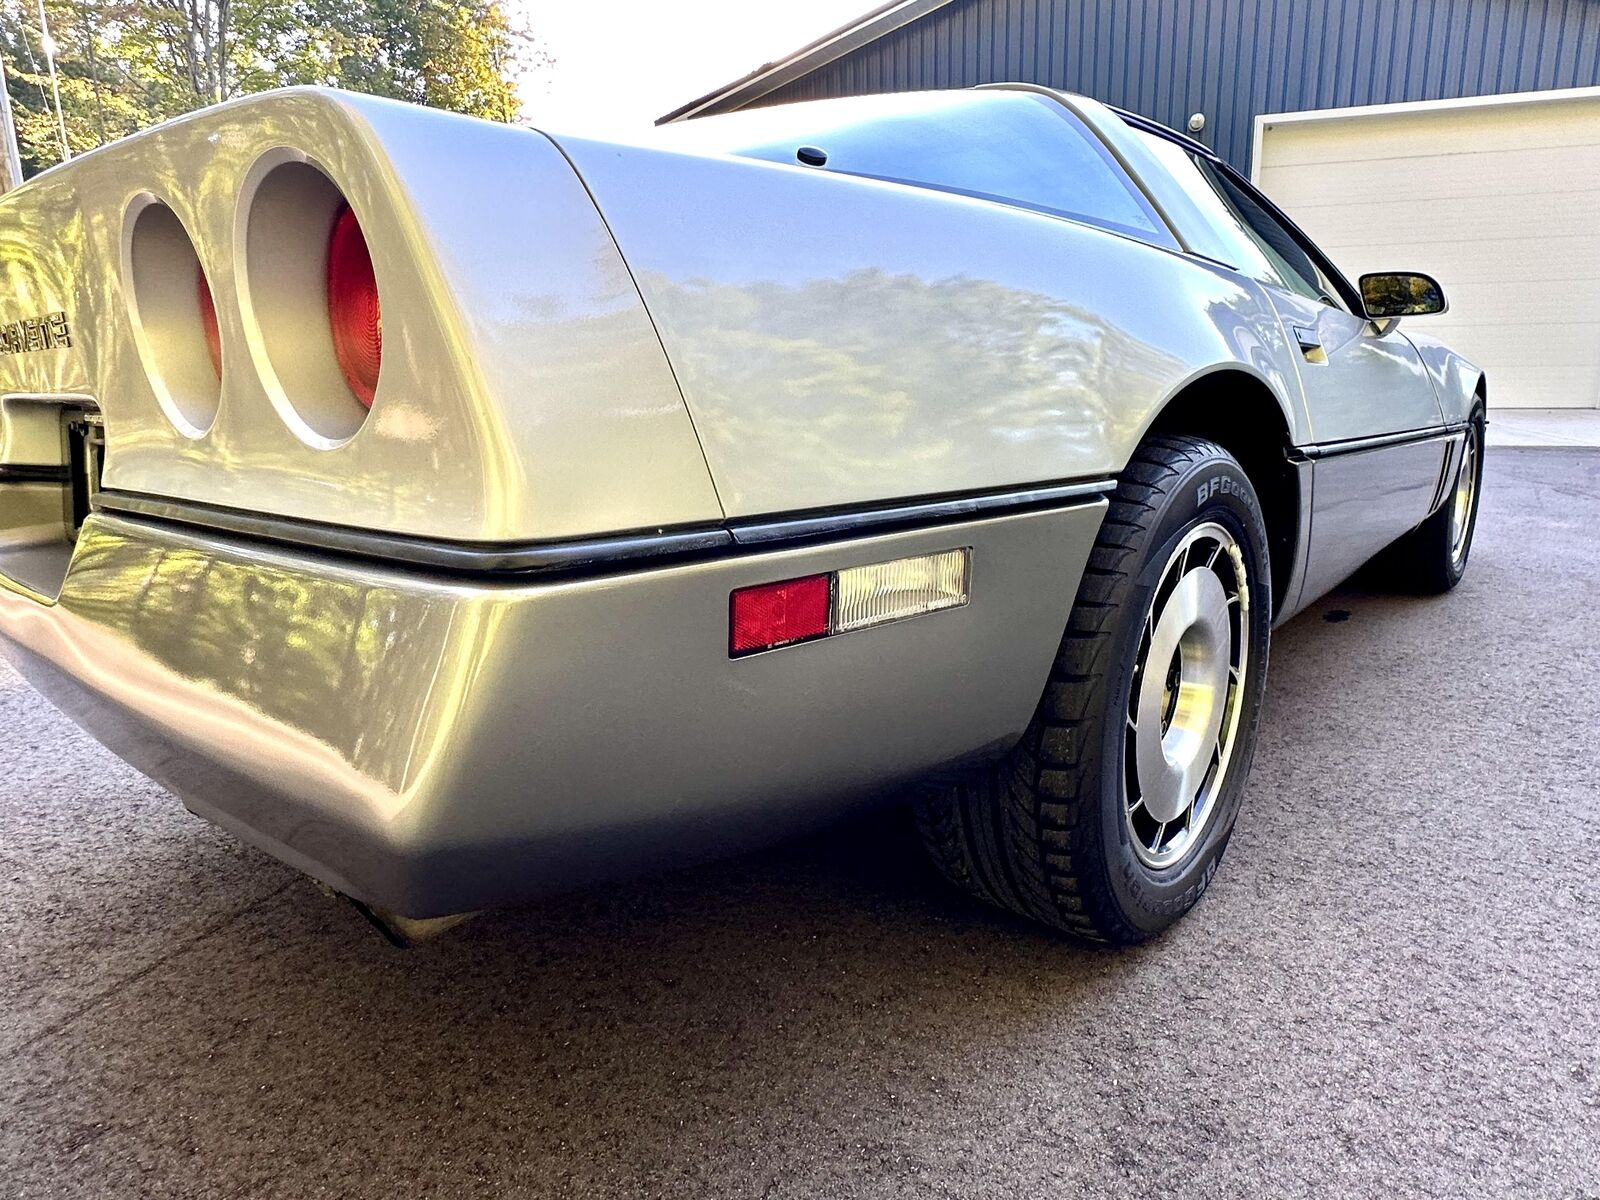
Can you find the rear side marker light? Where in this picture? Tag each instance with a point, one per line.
(798, 610)
(778, 614)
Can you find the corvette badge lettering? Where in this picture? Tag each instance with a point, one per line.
(49, 332)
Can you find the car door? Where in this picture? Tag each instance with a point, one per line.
(1377, 452)
(1366, 388)
(1360, 380)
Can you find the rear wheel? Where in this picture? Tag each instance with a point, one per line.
(1109, 818)
(1432, 558)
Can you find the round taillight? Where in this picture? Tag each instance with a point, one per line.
(353, 311)
(208, 319)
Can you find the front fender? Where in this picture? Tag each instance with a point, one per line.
(1458, 381)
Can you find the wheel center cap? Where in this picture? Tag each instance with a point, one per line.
(1180, 710)
(1169, 698)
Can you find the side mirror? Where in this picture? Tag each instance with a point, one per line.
(1401, 294)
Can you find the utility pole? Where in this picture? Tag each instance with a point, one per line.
(48, 44)
(10, 156)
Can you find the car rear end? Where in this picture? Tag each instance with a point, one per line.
(346, 489)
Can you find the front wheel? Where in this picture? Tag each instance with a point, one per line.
(1111, 815)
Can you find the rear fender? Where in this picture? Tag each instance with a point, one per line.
(844, 341)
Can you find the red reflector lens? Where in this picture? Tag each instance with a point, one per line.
(776, 614)
(208, 319)
(353, 307)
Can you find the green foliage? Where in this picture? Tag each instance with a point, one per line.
(123, 64)
(459, 56)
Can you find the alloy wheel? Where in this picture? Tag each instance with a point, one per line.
(1184, 702)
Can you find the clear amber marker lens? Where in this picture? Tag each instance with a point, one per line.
(906, 587)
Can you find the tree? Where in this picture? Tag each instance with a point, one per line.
(464, 56)
(96, 105)
(123, 64)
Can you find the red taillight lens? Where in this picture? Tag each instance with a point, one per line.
(208, 319)
(777, 614)
(353, 307)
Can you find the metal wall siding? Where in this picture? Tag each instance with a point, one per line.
(1230, 59)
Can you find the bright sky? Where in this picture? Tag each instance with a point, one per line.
(623, 63)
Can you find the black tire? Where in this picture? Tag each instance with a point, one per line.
(1429, 561)
(1043, 831)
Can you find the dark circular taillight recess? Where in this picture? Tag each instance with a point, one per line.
(353, 310)
(173, 318)
(310, 299)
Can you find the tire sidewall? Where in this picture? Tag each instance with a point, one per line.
(1215, 489)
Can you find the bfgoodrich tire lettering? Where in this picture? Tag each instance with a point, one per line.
(1045, 832)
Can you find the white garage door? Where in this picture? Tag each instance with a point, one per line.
(1499, 197)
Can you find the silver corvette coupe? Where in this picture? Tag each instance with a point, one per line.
(460, 512)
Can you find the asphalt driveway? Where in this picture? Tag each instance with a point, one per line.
(1392, 989)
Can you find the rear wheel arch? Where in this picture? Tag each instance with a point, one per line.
(1239, 412)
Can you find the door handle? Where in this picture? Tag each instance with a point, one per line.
(1310, 344)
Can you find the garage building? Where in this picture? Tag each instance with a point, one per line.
(1460, 137)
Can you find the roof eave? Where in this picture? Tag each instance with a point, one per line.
(829, 47)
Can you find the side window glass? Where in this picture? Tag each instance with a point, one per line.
(1290, 263)
(1246, 235)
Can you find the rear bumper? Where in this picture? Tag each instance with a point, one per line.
(431, 745)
